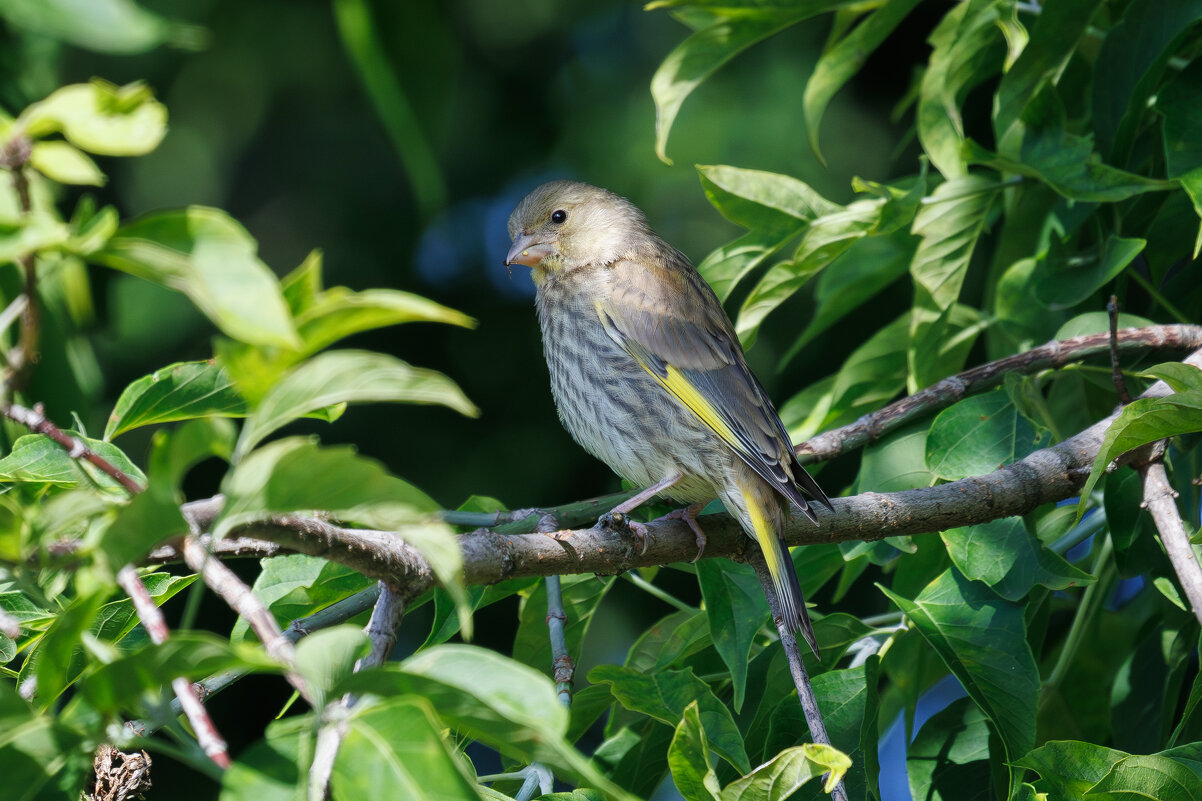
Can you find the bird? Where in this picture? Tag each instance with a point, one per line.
(648, 375)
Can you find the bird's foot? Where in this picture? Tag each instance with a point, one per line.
(689, 515)
(621, 523)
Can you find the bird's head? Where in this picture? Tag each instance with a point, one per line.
(563, 225)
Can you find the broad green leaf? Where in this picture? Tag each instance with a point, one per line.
(982, 640)
(275, 767)
(948, 760)
(174, 452)
(1067, 768)
(1098, 323)
(340, 312)
(778, 779)
(839, 63)
(105, 26)
(150, 517)
(752, 198)
(636, 757)
(665, 694)
(1129, 65)
(1067, 164)
(324, 658)
(689, 759)
(1007, 557)
(1180, 376)
(670, 641)
(504, 704)
(207, 255)
(296, 586)
(725, 267)
(1143, 421)
(1055, 35)
(398, 744)
(978, 435)
(582, 595)
(966, 46)
(949, 226)
(118, 685)
(65, 164)
(866, 268)
(181, 391)
(348, 376)
(896, 463)
(736, 608)
(696, 58)
(100, 117)
(42, 757)
(37, 459)
(1158, 777)
(1180, 101)
(1064, 286)
(56, 665)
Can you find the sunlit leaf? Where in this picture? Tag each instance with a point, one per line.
(1008, 558)
(106, 26)
(689, 759)
(736, 608)
(37, 459)
(100, 117)
(180, 391)
(64, 163)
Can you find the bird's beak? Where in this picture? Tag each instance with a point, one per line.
(528, 251)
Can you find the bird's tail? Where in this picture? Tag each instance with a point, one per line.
(765, 526)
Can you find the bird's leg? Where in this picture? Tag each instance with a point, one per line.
(689, 515)
(617, 517)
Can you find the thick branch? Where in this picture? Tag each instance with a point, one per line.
(1054, 354)
(1046, 476)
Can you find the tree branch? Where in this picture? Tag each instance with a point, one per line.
(1054, 354)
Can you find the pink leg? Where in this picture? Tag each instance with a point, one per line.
(618, 515)
(689, 516)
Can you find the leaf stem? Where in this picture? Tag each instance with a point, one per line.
(651, 589)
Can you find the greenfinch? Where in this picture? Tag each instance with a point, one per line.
(649, 377)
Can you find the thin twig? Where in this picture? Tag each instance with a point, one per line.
(221, 580)
(563, 669)
(35, 420)
(14, 156)
(151, 616)
(1054, 354)
(801, 679)
(1160, 499)
(1120, 383)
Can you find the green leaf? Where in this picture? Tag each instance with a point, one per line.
(896, 463)
(296, 586)
(689, 759)
(295, 474)
(105, 26)
(978, 435)
(205, 254)
(1143, 421)
(485, 696)
(866, 268)
(274, 768)
(397, 743)
(41, 757)
(966, 47)
(736, 609)
(696, 58)
(150, 517)
(100, 117)
(1129, 65)
(37, 459)
(348, 376)
(1180, 376)
(174, 452)
(840, 62)
(58, 650)
(582, 595)
(670, 641)
(982, 640)
(1067, 164)
(779, 778)
(1068, 768)
(119, 684)
(1180, 101)
(1062, 287)
(665, 694)
(950, 755)
(1137, 776)
(1011, 560)
(754, 198)
(61, 162)
(180, 391)
(1057, 31)
(949, 226)
(324, 658)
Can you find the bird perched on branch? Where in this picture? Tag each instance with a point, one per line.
(649, 377)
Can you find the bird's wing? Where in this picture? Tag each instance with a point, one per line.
(671, 323)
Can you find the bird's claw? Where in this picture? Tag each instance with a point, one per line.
(621, 523)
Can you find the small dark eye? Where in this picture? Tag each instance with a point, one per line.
(558, 216)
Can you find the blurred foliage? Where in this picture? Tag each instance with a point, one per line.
(912, 188)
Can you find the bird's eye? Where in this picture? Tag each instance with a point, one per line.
(558, 216)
